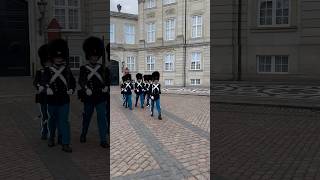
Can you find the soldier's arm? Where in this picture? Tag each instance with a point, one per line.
(37, 79)
(82, 78)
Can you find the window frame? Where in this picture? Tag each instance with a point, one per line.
(66, 9)
(113, 35)
(132, 63)
(74, 62)
(152, 31)
(274, 15)
(165, 2)
(128, 33)
(172, 61)
(170, 80)
(195, 82)
(152, 61)
(200, 61)
(272, 64)
(196, 26)
(170, 29)
(148, 4)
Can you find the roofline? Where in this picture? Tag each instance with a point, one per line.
(123, 15)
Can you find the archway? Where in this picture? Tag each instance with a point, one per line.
(14, 38)
(114, 73)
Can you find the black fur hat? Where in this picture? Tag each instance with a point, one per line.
(58, 48)
(93, 46)
(43, 54)
(139, 76)
(128, 77)
(155, 75)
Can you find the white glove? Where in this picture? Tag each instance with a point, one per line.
(152, 97)
(105, 89)
(41, 88)
(137, 90)
(70, 91)
(89, 92)
(49, 91)
(125, 90)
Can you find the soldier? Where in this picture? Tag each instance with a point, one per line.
(122, 86)
(155, 91)
(128, 90)
(60, 84)
(139, 90)
(93, 83)
(41, 95)
(146, 88)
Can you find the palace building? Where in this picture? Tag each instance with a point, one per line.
(170, 36)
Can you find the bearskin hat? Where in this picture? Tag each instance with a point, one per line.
(156, 75)
(58, 48)
(93, 46)
(139, 76)
(128, 77)
(43, 54)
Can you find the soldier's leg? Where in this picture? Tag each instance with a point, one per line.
(44, 121)
(141, 100)
(52, 111)
(137, 98)
(158, 108)
(152, 106)
(88, 109)
(130, 101)
(63, 113)
(102, 123)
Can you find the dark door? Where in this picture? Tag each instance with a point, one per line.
(14, 38)
(114, 73)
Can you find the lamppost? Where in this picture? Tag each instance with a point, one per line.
(42, 9)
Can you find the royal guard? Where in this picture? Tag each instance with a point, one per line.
(122, 86)
(155, 91)
(41, 96)
(146, 89)
(94, 88)
(128, 87)
(60, 84)
(139, 90)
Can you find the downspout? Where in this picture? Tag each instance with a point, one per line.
(185, 44)
(239, 40)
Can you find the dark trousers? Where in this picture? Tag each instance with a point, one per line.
(101, 117)
(59, 117)
(44, 119)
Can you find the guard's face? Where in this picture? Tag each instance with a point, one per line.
(94, 59)
(58, 60)
(156, 81)
(48, 63)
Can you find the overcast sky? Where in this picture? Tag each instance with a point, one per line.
(128, 6)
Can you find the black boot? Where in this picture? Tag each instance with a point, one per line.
(51, 142)
(83, 138)
(60, 139)
(66, 148)
(159, 117)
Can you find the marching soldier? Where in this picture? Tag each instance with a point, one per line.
(41, 95)
(122, 86)
(60, 84)
(128, 90)
(139, 90)
(146, 89)
(93, 84)
(155, 91)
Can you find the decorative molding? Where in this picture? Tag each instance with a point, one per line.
(170, 11)
(151, 15)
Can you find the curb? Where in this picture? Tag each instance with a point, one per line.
(267, 104)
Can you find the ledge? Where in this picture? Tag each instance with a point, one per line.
(273, 29)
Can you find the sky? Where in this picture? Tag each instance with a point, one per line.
(128, 6)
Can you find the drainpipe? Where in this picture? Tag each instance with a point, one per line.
(239, 40)
(185, 44)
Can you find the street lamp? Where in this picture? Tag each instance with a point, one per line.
(42, 9)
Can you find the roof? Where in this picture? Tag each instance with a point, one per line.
(124, 15)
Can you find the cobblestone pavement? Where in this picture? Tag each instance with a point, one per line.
(264, 143)
(177, 147)
(269, 90)
(24, 156)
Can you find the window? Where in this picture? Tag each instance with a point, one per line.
(151, 34)
(150, 63)
(195, 82)
(168, 82)
(196, 61)
(74, 62)
(131, 63)
(112, 33)
(273, 12)
(129, 34)
(169, 62)
(272, 64)
(168, 1)
(170, 29)
(196, 26)
(150, 4)
(67, 12)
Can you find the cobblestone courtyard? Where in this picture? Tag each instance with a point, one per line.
(141, 147)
